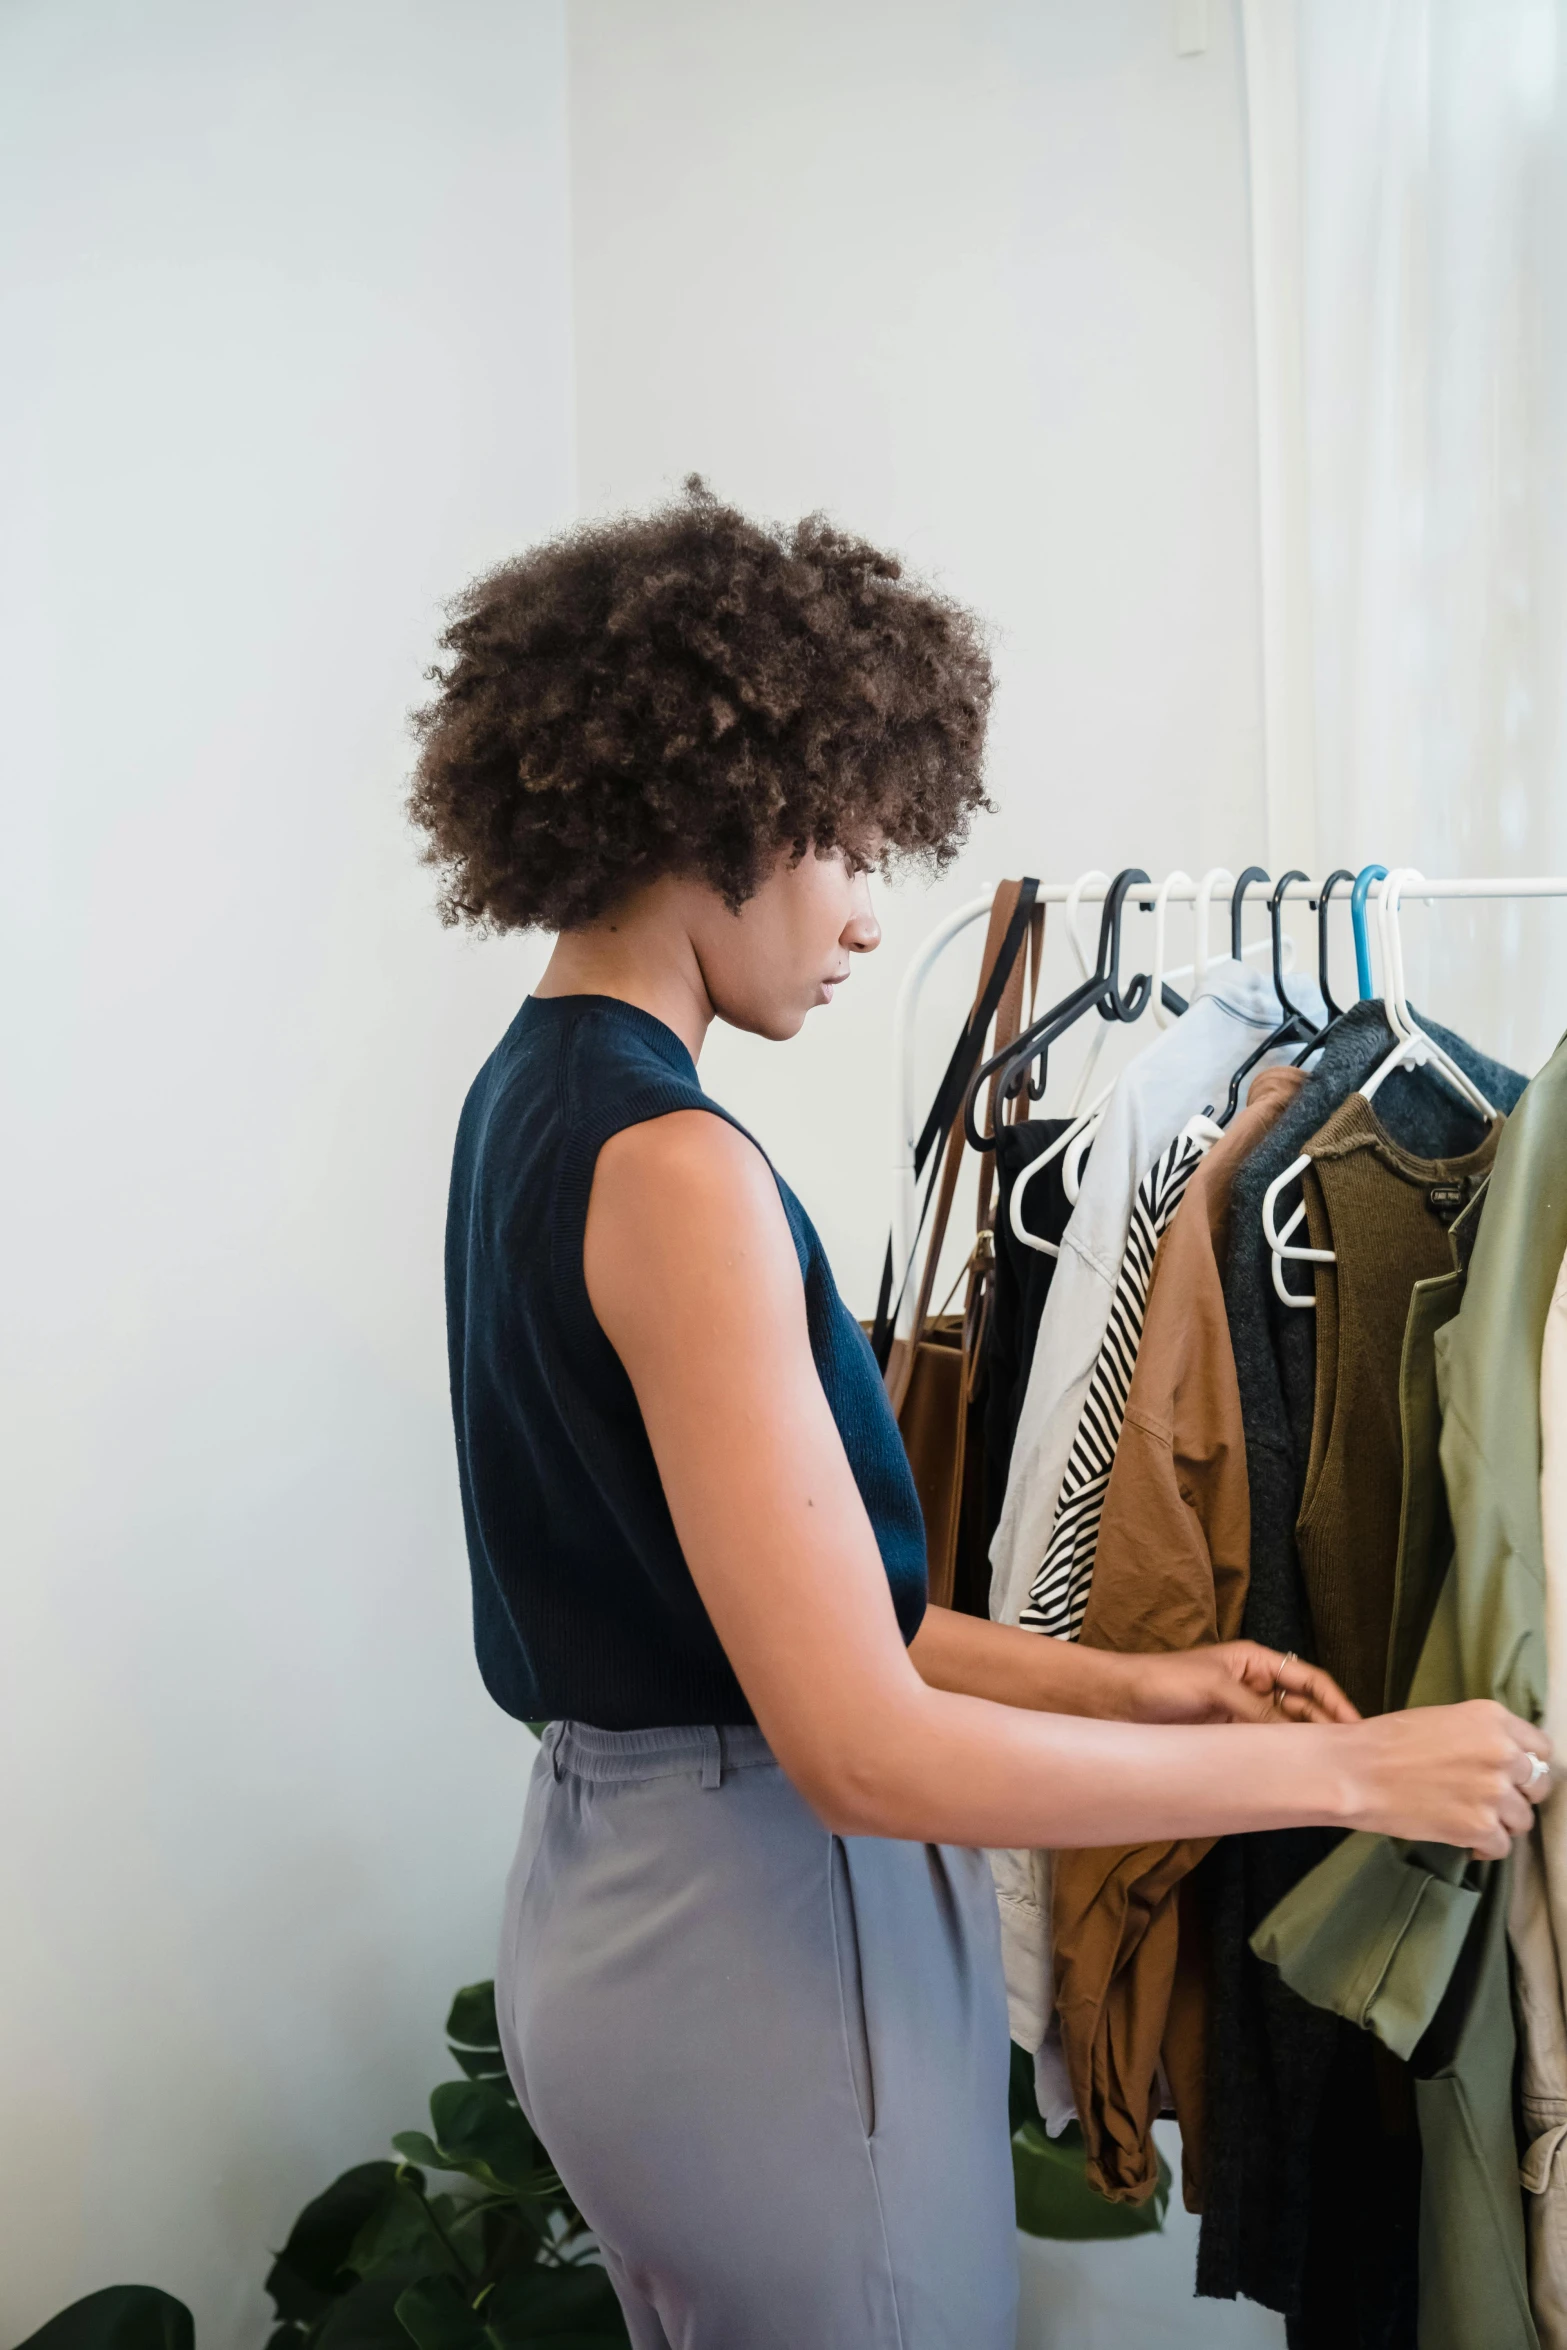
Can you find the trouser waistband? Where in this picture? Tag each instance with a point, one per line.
(707, 1752)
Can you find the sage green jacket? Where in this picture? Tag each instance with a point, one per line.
(1410, 1940)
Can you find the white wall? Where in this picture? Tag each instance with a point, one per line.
(289, 284)
(977, 280)
(287, 358)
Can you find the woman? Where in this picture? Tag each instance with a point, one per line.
(750, 1989)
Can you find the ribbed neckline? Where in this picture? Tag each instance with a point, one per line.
(1355, 1126)
(655, 1033)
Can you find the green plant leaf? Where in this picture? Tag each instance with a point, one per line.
(418, 2147)
(1055, 2199)
(366, 2318)
(313, 2265)
(495, 2236)
(405, 2227)
(120, 2317)
(487, 2133)
(573, 2339)
(437, 2317)
(481, 2064)
(1022, 2105)
(472, 2019)
(565, 2305)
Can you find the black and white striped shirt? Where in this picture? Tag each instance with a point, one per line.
(1058, 1596)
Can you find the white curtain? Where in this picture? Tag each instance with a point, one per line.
(1422, 424)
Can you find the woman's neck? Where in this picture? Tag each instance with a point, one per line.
(643, 956)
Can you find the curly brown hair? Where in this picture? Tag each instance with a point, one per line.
(690, 691)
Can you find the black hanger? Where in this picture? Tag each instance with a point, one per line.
(1295, 1023)
(1343, 873)
(1238, 905)
(1101, 992)
(1336, 1012)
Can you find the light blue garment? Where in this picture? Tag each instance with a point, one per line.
(769, 2063)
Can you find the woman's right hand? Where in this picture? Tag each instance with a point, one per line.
(1450, 1774)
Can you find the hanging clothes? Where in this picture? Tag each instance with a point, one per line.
(1442, 1906)
(1171, 1570)
(1059, 1592)
(1542, 2088)
(1183, 1070)
(1541, 1880)
(1430, 1923)
(1385, 1214)
(1374, 1434)
(1271, 2054)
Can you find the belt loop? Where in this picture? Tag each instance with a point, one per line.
(554, 1734)
(712, 1757)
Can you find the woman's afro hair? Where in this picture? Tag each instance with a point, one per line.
(691, 692)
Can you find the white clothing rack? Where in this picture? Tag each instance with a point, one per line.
(1092, 892)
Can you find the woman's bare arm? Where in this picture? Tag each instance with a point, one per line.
(1233, 1681)
(692, 1273)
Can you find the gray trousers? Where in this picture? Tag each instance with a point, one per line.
(769, 2063)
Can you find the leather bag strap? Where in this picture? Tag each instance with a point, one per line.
(1009, 1025)
(1003, 930)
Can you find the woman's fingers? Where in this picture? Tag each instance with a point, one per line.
(1314, 1690)
(1295, 1690)
(1309, 1709)
(1458, 1774)
(1320, 1700)
(1535, 1783)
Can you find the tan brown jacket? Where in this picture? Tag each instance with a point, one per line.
(1170, 1573)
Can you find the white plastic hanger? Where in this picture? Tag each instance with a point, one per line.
(1202, 911)
(1161, 908)
(1412, 1049)
(1074, 898)
(1420, 1050)
(1082, 1129)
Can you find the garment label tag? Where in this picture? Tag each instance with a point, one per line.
(1447, 1201)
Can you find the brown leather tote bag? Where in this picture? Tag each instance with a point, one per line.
(934, 1377)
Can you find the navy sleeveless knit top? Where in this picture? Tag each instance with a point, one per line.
(583, 1605)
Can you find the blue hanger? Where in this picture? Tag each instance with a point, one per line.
(1357, 915)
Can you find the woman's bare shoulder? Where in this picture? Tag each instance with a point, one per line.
(685, 1150)
(685, 1199)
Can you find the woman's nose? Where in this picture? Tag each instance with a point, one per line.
(861, 934)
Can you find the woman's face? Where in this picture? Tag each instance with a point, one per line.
(789, 946)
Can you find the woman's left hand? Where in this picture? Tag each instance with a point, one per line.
(1236, 1682)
